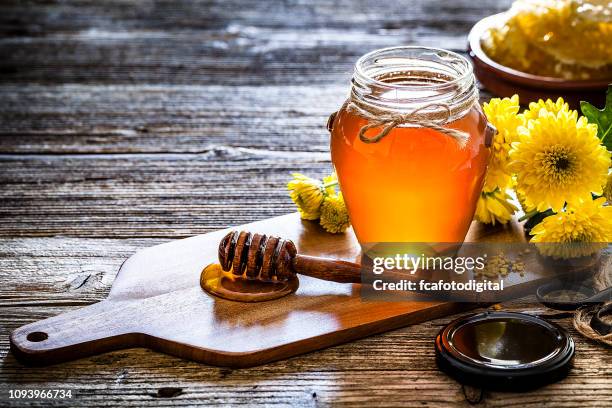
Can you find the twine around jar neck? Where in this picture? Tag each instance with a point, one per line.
(412, 86)
(432, 115)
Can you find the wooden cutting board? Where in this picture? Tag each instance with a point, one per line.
(156, 302)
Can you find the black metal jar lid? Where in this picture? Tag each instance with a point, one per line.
(504, 350)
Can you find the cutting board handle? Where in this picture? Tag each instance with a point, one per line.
(94, 329)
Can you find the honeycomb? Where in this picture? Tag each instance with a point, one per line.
(569, 39)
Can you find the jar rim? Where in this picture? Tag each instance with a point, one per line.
(430, 80)
(461, 77)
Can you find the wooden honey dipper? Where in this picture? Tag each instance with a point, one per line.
(265, 258)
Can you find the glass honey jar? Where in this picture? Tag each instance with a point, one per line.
(410, 146)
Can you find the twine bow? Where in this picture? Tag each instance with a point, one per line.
(380, 117)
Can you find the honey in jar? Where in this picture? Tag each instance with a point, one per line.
(416, 183)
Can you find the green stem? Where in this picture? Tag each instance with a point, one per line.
(500, 200)
(603, 138)
(528, 215)
(331, 183)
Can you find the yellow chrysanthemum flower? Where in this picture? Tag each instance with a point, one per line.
(584, 229)
(549, 106)
(558, 159)
(334, 216)
(503, 114)
(494, 207)
(307, 194)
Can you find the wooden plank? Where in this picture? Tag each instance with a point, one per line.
(154, 195)
(61, 271)
(404, 375)
(183, 60)
(39, 17)
(228, 42)
(166, 118)
(218, 43)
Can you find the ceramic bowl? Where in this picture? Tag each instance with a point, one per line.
(504, 81)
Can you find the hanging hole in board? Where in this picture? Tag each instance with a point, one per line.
(37, 336)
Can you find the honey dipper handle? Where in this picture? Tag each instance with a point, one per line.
(327, 269)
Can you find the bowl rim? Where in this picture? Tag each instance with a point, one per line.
(481, 58)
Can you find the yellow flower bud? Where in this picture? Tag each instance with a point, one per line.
(494, 207)
(334, 216)
(307, 194)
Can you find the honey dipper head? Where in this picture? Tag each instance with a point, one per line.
(257, 256)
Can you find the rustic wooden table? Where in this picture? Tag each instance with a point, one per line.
(125, 124)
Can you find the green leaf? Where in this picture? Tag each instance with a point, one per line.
(601, 117)
(536, 219)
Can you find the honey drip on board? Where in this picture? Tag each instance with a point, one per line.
(226, 285)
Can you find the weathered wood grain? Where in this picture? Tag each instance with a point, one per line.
(164, 118)
(153, 195)
(404, 375)
(232, 42)
(61, 271)
(136, 119)
(40, 17)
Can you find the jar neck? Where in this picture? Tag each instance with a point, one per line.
(405, 79)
